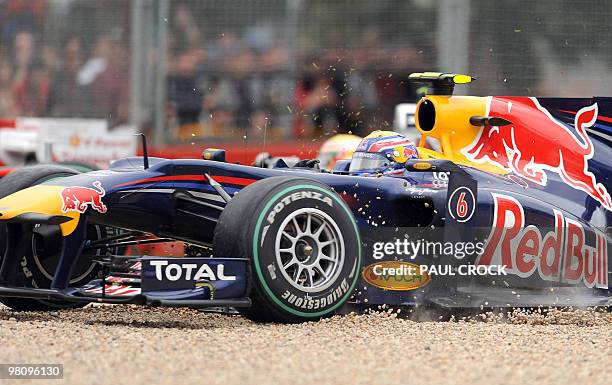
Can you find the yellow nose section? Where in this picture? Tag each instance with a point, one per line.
(41, 199)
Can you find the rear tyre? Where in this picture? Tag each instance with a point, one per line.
(303, 245)
(39, 262)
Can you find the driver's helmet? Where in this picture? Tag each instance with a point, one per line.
(338, 147)
(382, 152)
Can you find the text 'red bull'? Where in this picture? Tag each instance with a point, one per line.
(76, 198)
(535, 141)
(559, 255)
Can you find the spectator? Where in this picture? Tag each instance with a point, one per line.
(32, 91)
(97, 63)
(314, 98)
(184, 93)
(110, 89)
(50, 59)
(69, 98)
(31, 84)
(323, 94)
(185, 31)
(185, 60)
(242, 81)
(24, 54)
(220, 102)
(227, 45)
(7, 109)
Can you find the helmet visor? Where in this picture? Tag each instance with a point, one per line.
(368, 161)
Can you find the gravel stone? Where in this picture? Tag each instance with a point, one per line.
(104, 344)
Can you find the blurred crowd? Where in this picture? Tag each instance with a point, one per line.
(258, 80)
(71, 81)
(253, 80)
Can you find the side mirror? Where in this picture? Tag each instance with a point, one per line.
(341, 166)
(214, 154)
(489, 121)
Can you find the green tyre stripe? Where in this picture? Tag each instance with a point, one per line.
(271, 295)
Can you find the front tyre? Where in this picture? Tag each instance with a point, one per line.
(303, 244)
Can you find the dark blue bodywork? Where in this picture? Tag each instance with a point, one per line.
(175, 199)
(414, 200)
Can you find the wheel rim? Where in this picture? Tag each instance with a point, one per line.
(309, 250)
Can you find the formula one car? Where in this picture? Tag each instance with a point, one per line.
(520, 184)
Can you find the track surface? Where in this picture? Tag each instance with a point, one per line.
(123, 344)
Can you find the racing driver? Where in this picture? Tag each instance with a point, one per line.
(382, 152)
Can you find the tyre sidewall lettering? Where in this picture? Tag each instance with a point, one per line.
(278, 290)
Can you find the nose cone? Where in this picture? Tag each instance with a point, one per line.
(42, 200)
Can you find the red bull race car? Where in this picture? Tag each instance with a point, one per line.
(513, 211)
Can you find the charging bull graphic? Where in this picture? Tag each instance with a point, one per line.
(535, 141)
(77, 198)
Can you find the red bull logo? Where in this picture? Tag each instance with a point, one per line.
(558, 255)
(536, 141)
(402, 153)
(77, 198)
